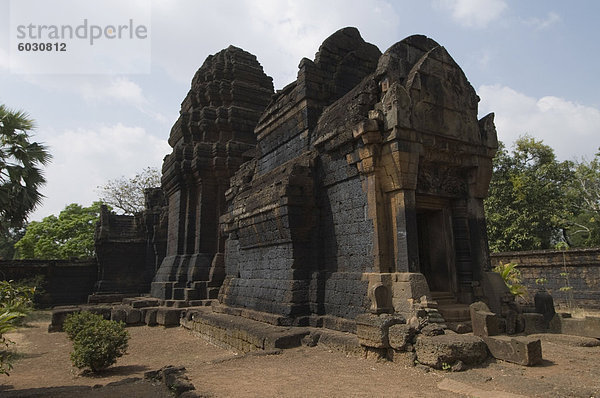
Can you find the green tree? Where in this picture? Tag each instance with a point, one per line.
(527, 203)
(583, 225)
(126, 195)
(20, 175)
(8, 238)
(71, 234)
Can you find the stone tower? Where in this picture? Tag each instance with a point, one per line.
(210, 140)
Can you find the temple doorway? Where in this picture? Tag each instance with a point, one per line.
(436, 248)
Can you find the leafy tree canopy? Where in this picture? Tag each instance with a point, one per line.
(527, 205)
(126, 195)
(583, 226)
(20, 175)
(8, 238)
(69, 235)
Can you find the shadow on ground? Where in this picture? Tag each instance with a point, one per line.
(133, 387)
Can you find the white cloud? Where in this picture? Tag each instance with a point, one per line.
(280, 33)
(83, 159)
(543, 23)
(473, 13)
(571, 129)
(100, 89)
(119, 88)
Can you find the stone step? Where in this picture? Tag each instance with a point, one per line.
(241, 334)
(444, 297)
(455, 312)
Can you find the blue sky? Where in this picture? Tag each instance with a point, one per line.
(534, 63)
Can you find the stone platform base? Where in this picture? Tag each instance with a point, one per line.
(242, 334)
(234, 329)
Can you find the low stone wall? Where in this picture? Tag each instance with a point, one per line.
(65, 281)
(578, 269)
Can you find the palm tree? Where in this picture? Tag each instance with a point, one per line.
(20, 176)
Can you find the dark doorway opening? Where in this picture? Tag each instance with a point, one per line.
(436, 249)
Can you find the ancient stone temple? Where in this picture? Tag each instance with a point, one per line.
(356, 189)
(213, 136)
(351, 200)
(366, 189)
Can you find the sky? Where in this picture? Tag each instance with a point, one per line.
(105, 109)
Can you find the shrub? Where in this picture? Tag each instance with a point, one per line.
(7, 323)
(15, 302)
(16, 298)
(97, 342)
(76, 322)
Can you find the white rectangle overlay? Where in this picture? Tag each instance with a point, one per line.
(80, 37)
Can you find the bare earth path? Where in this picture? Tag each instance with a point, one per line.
(43, 369)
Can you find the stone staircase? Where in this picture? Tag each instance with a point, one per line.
(456, 315)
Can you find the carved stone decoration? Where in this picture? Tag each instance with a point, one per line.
(441, 180)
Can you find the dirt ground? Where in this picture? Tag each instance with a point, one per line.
(43, 369)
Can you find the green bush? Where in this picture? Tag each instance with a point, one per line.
(76, 322)
(16, 298)
(97, 342)
(7, 323)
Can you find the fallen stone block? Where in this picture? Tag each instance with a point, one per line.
(134, 316)
(58, 318)
(522, 350)
(483, 321)
(168, 316)
(586, 327)
(103, 310)
(119, 313)
(401, 336)
(372, 330)
(173, 378)
(435, 351)
(534, 323)
(150, 316)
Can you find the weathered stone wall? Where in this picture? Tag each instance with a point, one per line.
(575, 268)
(65, 281)
(345, 241)
(128, 248)
(291, 235)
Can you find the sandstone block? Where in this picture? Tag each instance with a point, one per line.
(119, 313)
(58, 318)
(400, 336)
(534, 323)
(521, 350)
(150, 317)
(448, 349)
(483, 321)
(372, 330)
(168, 316)
(104, 310)
(586, 327)
(134, 316)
